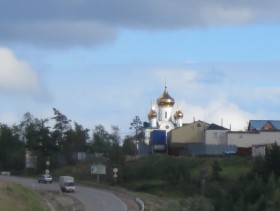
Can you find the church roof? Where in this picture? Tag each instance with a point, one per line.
(152, 113)
(165, 99)
(178, 114)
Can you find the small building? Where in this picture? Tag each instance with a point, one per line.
(188, 133)
(258, 150)
(216, 134)
(259, 132)
(199, 138)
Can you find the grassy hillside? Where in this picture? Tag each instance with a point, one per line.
(191, 183)
(165, 182)
(16, 197)
(155, 174)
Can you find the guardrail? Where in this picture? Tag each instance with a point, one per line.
(141, 203)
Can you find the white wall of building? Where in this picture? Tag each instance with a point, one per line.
(179, 122)
(247, 139)
(216, 137)
(153, 122)
(165, 113)
(258, 150)
(147, 135)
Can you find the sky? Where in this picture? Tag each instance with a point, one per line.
(105, 62)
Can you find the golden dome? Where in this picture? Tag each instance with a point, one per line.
(178, 114)
(165, 99)
(152, 114)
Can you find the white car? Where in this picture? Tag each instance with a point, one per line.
(45, 178)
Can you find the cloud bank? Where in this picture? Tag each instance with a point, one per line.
(94, 22)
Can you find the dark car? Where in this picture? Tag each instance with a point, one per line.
(45, 178)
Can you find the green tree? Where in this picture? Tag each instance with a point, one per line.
(115, 135)
(116, 155)
(100, 140)
(173, 170)
(273, 203)
(107, 143)
(129, 147)
(216, 169)
(259, 167)
(76, 139)
(137, 126)
(12, 150)
(272, 159)
(39, 141)
(61, 126)
(21, 129)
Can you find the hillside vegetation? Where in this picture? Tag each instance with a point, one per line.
(194, 183)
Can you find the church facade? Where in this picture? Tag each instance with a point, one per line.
(161, 116)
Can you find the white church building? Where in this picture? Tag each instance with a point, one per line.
(161, 116)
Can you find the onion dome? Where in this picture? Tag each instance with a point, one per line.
(165, 99)
(152, 113)
(178, 114)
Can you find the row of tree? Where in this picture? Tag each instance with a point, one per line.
(57, 139)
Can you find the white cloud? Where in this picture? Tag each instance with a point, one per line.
(223, 113)
(17, 76)
(177, 77)
(222, 15)
(229, 114)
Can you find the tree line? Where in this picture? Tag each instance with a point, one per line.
(56, 139)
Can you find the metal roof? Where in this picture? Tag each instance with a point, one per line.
(216, 127)
(259, 124)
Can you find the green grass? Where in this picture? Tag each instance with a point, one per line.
(16, 197)
(150, 186)
(233, 167)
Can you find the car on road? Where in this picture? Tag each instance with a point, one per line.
(45, 178)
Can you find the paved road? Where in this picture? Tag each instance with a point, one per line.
(93, 199)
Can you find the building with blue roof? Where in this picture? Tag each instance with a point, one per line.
(264, 125)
